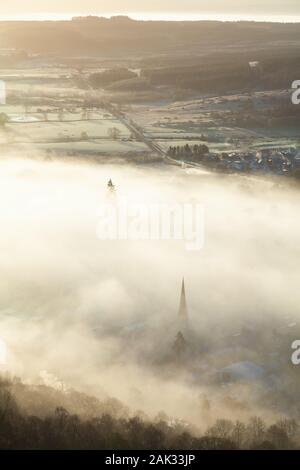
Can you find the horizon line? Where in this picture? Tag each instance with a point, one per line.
(152, 16)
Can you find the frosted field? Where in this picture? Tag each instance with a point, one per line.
(17, 113)
(171, 134)
(74, 131)
(179, 123)
(39, 87)
(277, 143)
(55, 131)
(94, 147)
(39, 116)
(110, 148)
(44, 72)
(12, 109)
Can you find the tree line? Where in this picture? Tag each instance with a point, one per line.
(111, 429)
(194, 152)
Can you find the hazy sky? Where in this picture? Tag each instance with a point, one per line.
(38, 7)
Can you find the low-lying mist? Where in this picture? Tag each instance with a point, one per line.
(100, 316)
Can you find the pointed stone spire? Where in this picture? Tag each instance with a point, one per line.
(183, 311)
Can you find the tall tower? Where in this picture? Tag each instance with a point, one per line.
(183, 316)
(181, 345)
(183, 312)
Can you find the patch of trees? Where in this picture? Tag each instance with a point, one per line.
(108, 77)
(188, 152)
(95, 426)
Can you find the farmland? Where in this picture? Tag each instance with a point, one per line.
(113, 108)
(46, 112)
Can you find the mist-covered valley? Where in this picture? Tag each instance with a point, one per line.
(101, 317)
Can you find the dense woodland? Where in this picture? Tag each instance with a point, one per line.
(37, 417)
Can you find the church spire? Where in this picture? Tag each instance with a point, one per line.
(183, 311)
(181, 346)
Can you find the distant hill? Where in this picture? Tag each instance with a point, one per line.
(119, 35)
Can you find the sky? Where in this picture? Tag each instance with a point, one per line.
(151, 8)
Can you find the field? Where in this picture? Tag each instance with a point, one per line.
(48, 110)
(208, 118)
(38, 132)
(61, 123)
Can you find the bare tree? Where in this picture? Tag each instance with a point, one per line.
(114, 133)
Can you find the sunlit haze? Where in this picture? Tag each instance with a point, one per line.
(155, 10)
(149, 226)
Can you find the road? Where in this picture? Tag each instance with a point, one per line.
(134, 129)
